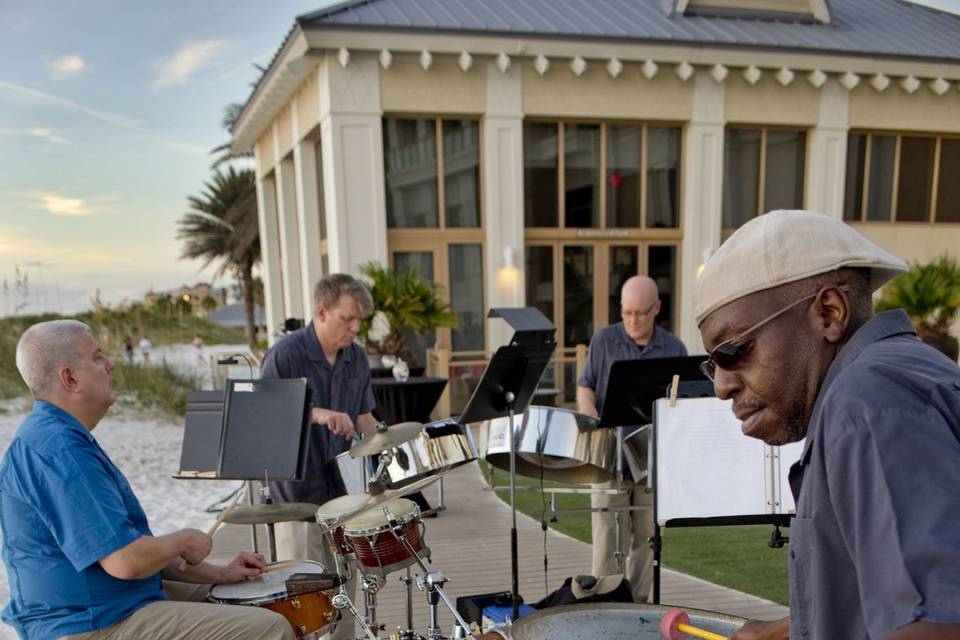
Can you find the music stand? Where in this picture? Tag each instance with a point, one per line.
(634, 385)
(202, 429)
(507, 386)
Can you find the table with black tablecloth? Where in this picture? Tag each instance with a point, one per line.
(410, 400)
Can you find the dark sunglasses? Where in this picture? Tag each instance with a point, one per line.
(729, 353)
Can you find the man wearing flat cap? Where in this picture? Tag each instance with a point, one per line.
(785, 311)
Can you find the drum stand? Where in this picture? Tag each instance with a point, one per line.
(432, 582)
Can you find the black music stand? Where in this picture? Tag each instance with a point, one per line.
(507, 385)
(202, 429)
(636, 384)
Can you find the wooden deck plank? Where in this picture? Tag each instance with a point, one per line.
(470, 544)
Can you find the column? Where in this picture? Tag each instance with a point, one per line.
(827, 153)
(289, 239)
(503, 197)
(309, 212)
(270, 270)
(702, 197)
(352, 156)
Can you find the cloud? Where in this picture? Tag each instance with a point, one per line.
(66, 66)
(61, 205)
(191, 58)
(36, 132)
(112, 118)
(186, 147)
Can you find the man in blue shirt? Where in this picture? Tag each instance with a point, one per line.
(81, 559)
(338, 376)
(636, 336)
(785, 310)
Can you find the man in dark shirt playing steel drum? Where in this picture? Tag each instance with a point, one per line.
(637, 336)
(784, 308)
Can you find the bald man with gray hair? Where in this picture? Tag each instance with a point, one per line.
(636, 336)
(81, 558)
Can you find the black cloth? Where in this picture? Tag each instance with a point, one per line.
(408, 401)
(387, 372)
(564, 595)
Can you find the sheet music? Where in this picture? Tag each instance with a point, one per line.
(705, 466)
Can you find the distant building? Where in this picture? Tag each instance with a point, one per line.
(195, 295)
(232, 315)
(525, 153)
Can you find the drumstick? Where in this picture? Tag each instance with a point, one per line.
(219, 521)
(676, 622)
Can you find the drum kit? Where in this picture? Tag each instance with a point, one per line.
(379, 532)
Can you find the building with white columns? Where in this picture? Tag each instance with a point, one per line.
(526, 152)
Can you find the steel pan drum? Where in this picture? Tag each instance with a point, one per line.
(441, 446)
(612, 621)
(567, 445)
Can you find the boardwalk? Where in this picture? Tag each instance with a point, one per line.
(470, 542)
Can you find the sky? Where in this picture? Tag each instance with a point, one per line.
(108, 109)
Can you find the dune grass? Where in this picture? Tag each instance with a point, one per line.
(737, 557)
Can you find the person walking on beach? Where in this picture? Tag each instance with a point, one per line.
(145, 346)
(81, 558)
(128, 347)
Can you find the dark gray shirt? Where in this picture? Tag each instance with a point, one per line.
(876, 541)
(343, 387)
(612, 344)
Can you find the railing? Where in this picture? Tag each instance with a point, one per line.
(464, 368)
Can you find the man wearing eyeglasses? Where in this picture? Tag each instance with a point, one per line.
(785, 310)
(636, 336)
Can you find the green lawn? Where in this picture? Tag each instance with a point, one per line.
(736, 556)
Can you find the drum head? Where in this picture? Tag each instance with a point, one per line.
(265, 588)
(612, 621)
(333, 509)
(400, 508)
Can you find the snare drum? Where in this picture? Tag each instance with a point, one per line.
(377, 546)
(334, 510)
(307, 613)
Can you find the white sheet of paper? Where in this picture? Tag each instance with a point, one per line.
(706, 467)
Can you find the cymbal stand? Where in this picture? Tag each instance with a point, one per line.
(267, 499)
(374, 485)
(408, 633)
(342, 601)
(431, 581)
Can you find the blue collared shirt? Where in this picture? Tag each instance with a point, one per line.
(63, 506)
(612, 344)
(875, 544)
(343, 387)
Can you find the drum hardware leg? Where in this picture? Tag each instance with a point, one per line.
(553, 507)
(440, 505)
(253, 527)
(618, 553)
(408, 601)
(342, 601)
(371, 585)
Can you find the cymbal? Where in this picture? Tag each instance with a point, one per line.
(271, 513)
(394, 435)
(373, 501)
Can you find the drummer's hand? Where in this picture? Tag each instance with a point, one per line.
(759, 630)
(243, 566)
(194, 545)
(338, 423)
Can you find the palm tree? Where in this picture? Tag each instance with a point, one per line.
(222, 225)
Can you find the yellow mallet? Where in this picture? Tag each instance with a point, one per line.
(675, 623)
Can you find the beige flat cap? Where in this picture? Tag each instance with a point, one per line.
(786, 246)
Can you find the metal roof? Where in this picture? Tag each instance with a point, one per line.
(893, 28)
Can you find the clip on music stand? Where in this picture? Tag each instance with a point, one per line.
(506, 388)
(636, 384)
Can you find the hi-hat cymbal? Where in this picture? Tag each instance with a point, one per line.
(330, 521)
(394, 435)
(271, 513)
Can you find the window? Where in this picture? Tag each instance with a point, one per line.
(415, 153)
(902, 178)
(610, 175)
(763, 170)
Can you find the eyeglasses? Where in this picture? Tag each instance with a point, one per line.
(638, 314)
(728, 354)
